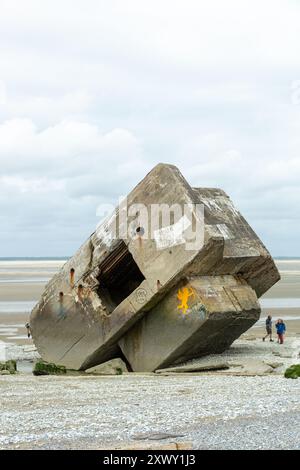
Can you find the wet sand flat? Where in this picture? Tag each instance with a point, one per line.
(21, 285)
(289, 285)
(12, 328)
(14, 291)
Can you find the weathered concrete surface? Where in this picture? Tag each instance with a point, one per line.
(225, 303)
(244, 252)
(124, 293)
(223, 307)
(82, 332)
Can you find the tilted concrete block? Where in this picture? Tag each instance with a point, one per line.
(156, 298)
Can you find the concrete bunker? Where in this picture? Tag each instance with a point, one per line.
(159, 303)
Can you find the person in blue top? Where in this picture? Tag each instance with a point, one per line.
(281, 329)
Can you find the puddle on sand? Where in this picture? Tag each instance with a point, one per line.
(17, 306)
(25, 367)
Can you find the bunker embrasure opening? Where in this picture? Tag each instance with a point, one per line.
(119, 276)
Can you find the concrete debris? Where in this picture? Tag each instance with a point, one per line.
(155, 436)
(274, 364)
(113, 367)
(209, 365)
(255, 367)
(153, 446)
(9, 366)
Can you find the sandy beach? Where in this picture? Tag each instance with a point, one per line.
(21, 284)
(283, 299)
(249, 406)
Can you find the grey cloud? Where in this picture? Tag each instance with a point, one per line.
(98, 92)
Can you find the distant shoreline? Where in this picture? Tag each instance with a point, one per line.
(65, 258)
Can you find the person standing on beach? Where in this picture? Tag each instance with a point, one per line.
(268, 328)
(27, 326)
(281, 329)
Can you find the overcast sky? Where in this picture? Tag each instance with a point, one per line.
(94, 93)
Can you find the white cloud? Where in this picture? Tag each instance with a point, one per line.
(53, 179)
(94, 93)
(44, 109)
(67, 149)
(3, 94)
(30, 185)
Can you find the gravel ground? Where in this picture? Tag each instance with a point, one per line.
(209, 411)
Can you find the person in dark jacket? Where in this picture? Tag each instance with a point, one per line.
(268, 328)
(281, 329)
(27, 326)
